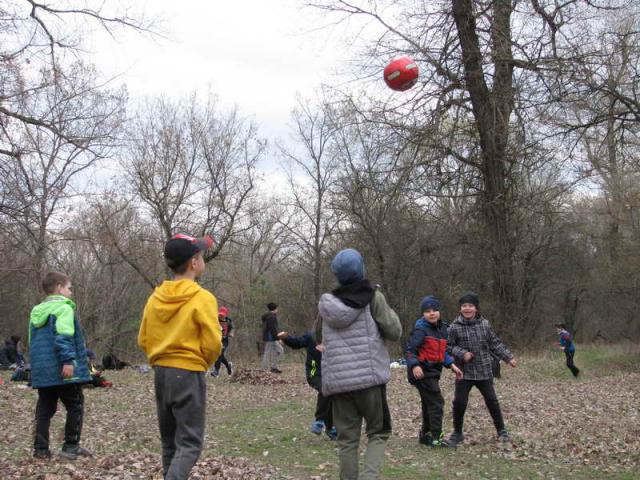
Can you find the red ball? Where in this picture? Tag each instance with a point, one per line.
(401, 74)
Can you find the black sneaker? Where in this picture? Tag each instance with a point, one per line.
(230, 369)
(42, 454)
(455, 439)
(73, 452)
(503, 436)
(215, 373)
(425, 438)
(276, 370)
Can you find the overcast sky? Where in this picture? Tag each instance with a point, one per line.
(254, 53)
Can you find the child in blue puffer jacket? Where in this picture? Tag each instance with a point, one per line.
(59, 365)
(426, 354)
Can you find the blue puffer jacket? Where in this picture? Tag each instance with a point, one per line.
(56, 339)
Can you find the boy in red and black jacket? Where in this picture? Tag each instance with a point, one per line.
(426, 353)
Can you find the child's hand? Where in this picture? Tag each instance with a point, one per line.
(282, 335)
(320, 347)
(457, 371)
(468, 356)
(513, 363)
(67, 371)
(418, 374)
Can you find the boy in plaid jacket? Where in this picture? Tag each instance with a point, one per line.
(471, 343)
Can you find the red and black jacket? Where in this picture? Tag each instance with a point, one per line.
(427, 348)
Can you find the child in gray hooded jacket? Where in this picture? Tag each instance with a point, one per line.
(355, 322)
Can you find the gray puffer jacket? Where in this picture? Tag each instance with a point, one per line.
(355, 322)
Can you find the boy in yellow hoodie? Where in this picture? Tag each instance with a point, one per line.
(181, 336)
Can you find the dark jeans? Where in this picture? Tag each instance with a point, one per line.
(181, 401)
(323, 404)
(461, 398)
(432, 405)
(222, 360)
(575, 370)
(72, 398)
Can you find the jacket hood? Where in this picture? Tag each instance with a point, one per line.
(51, 305)
(463, 321)
(355, 295)
(169, 297)
(424, 324)
(335, 313)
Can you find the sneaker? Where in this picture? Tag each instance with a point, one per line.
(425, 438)
(230, 369)
(215, 373)
(276, 370)
(75, 451)
(504, 437)
(332, 433)
(42, 454)
(455, 439)
(439, 441)
(317, 427)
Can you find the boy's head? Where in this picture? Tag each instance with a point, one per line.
(348, 266)
(430, 308)
(560, 327)
(183, 254)
(272, 307)
(223, 312)
(56, 283)
(469, 305)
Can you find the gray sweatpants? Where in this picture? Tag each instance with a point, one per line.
(272, 353)
(181, 401)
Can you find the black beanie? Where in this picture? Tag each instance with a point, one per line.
(470, 297)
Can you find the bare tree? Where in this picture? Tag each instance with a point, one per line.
(312, 173)
(194, 168)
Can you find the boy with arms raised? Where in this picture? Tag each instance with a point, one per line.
(181, 336)
(58, 365)
(356, 320)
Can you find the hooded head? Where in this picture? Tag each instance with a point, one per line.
(348, 266)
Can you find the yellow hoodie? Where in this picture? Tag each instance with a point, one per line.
(180, 326)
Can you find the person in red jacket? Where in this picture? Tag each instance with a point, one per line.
(426, 354)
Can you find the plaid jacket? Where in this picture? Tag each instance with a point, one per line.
(475, 336)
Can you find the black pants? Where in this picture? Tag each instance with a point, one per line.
(181, 401)
(575, 370)
(461, 398)
(432, 405)
(222, 360)
(324, 412)
(72, 398)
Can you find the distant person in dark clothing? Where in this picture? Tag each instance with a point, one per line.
(227, 332)
(313, 369)
(13, 351)
(272, 347)
(568, 347)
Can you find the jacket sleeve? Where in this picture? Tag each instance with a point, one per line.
(302, 341)
(496, 346)
(64, 336)
(413, 344)
(210, 329)
(448, 360)
(142, 333)
(230, 326)
(457, 352)
(386, 318)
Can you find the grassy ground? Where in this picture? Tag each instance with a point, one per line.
(562, 428)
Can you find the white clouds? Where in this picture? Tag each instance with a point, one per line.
(256, 54)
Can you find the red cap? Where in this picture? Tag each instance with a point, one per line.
(224, 311)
